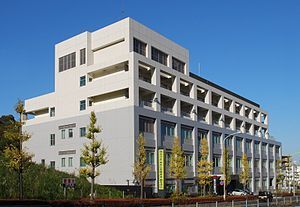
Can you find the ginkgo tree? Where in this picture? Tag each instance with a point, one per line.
(177, 169)
(204, 167)
(94, 154)
(245, 173)
(141, 168)
(16, 156)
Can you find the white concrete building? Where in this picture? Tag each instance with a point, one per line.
(136, 80)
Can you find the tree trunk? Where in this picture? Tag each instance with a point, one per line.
(177, 187)
(92, 187)
(142, 189)
(204, 190)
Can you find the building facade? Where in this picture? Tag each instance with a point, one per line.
(136, 81)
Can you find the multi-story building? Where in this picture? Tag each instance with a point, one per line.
(136, 81)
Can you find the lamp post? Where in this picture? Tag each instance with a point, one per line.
(223, 150)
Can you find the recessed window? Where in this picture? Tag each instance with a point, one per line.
(52, 111)
(150, 157)
(216, 161)
(178, 65)
(82, 162)
(82, 105)
(63, 162)
(82, 81)
(70, 161)
(186, 132)
(43, 162)
(66, 62)
(52, 139)
(82, 56)
(159, 56)
(63, 133)
(139, 46)
(52, 164)
(146, 125)
(82, 131)
(70, 133)
(188, 160)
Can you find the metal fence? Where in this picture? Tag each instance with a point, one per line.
(276, 201)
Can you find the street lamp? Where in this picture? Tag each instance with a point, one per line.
(223, 149)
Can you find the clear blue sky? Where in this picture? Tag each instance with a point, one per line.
(249, 47)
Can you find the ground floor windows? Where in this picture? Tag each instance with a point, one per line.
(150, 157)
(52, 164)
(63, 162)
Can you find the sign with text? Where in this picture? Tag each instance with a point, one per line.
(161, 169)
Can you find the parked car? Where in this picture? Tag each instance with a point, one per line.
(248, 191)
(238, 192)
(264, 195)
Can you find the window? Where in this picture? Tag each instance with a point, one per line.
(66, 62)
(186, 132)
(168, 158)
(52, 164)
(239, 145)
(82, 162)
(70, 133)
(159, 56)
(150, 157)
(63, 162)
(238, 163)
(248, 146)
(82, 81)
(188, 160)
(52, 111)
(43, 162)
(228, 142)
(178, 65)
(82, 56)
(250, 163)
(167, 129)
(52, 139)
(216, 161)
(82, 131)
(63, 133)
(202, 134)
(70, 161)
(82, 105)
(139, 46)
(146, 125)
(216, 137)
(256, 147)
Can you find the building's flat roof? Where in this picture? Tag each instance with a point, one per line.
(222, 89)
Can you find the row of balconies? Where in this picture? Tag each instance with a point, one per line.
(169, 82)
(168, 105)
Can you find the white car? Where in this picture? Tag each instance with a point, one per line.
(238, 192)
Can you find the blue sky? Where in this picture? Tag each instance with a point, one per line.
(249, 47)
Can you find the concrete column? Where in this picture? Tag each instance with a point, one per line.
(196, 150)
(234, 155)
(260, 164)
(221, 102)
(210, 145)
(268, 167)
(252, 167)
(209, 97)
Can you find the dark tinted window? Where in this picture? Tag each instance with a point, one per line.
(159, 56)
(139, 47)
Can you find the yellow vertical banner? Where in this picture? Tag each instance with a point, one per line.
(161, 169)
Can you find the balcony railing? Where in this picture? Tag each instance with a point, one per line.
(167, 110)
(166, 86)
(185, 114)
(146, 104)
